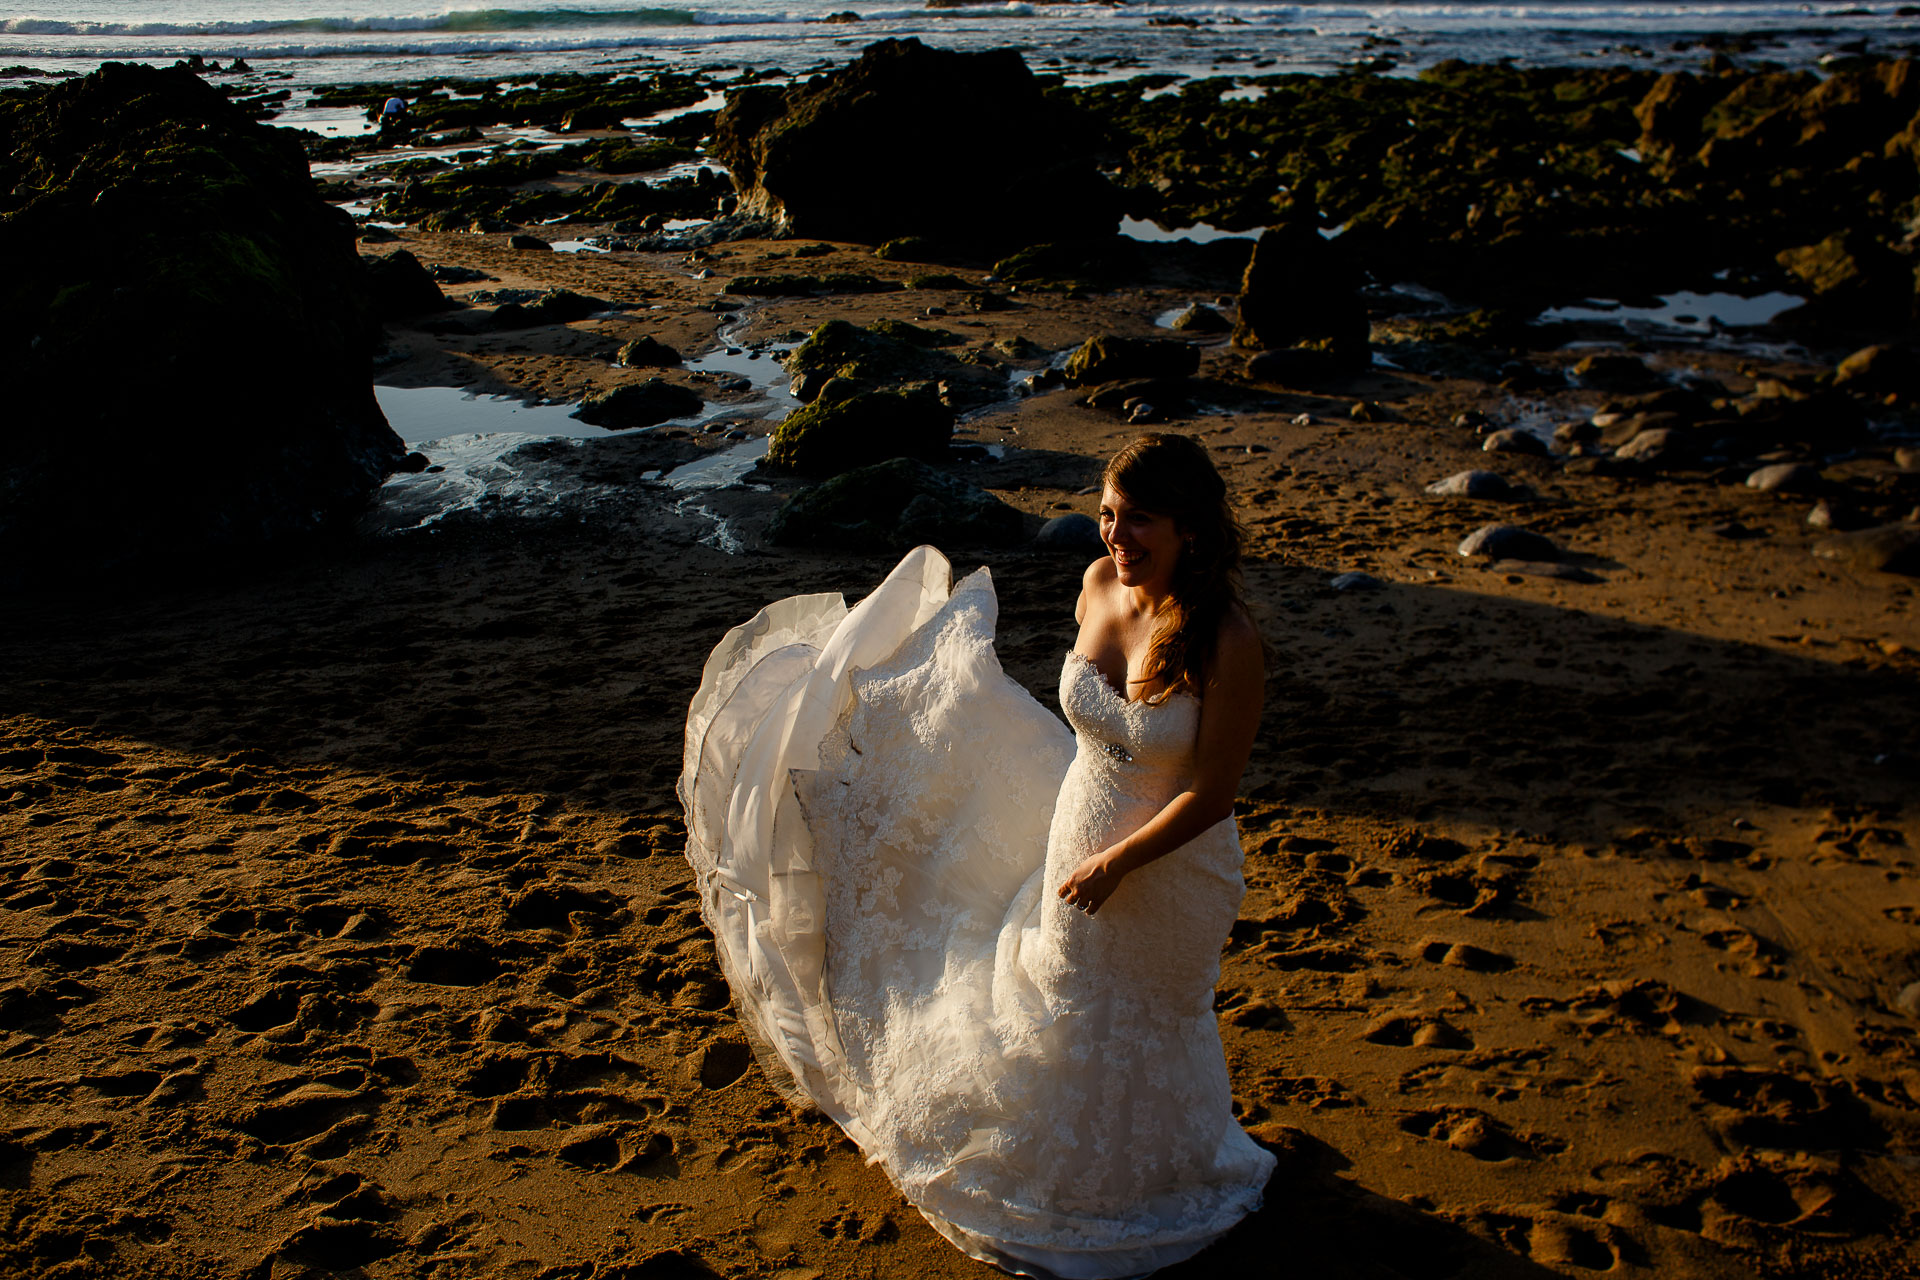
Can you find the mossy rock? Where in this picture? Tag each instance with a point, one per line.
(889, 352)
(402, 286)
(1111, 358)
(842, 430)
(1104, 260)
(892, 506)
(647, 353)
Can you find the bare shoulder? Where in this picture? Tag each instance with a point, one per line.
(1100, 573)
(1237, 654)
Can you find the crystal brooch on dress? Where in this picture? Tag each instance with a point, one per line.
(1117, 751)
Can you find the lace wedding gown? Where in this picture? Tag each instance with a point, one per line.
(879, 818)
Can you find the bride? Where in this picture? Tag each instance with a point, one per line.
(985, 944)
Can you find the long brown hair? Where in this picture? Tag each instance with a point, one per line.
(1172, 475)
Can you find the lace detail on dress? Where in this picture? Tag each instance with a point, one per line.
(1047, 1087)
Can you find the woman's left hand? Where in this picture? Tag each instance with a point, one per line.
(1093, 881)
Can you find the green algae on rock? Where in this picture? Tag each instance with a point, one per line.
(848, 426)
(139, 201)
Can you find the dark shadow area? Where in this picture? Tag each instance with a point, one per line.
(1322, 1224)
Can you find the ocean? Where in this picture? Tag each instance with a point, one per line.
(365, 40)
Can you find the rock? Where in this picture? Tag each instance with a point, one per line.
(444, 274)
(1881, 370)
(371, 234)
(1370, 411)
(1614, 373)
(1887, 548)
(641, 404)
(1660, 445)
(890, 352)
(527, 242)
(140, 201)
(1514, 440)
(401, 286)
(1507, 542)
(1835, 514)
(1473, 484)
(647, 353)
(1294, 367)
(1569, 436)
(1071, 533)
(1473, 420)
(1785, 477)
(1168, 393)
(1854, 280)
(1110, 358)
(1907, 457)
(807, 156)
(1355, 581)
(891, 506)
(1201, 318)
(556, 306)
(1301, 290)
(846, 427)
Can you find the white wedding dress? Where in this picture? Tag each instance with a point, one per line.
(879, 818)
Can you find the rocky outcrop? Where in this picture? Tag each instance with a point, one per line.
(139, 207)
(892, 506)
(401, 286)
(1301, 295)
(1111, 358)
(909, 140)
(639, 404)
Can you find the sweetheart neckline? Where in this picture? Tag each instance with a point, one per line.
(1119, 697)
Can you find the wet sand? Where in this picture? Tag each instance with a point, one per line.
(345, 924)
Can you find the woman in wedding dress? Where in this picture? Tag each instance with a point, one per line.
(986, 944)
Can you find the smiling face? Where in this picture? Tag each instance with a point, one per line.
(1145, 545)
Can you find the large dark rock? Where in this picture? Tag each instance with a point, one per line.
(1301, 291)
(847, 426)
(1111, 358)
(139, 202)
(402, 287)
(892, 506)
(909, 140)
(639, 404)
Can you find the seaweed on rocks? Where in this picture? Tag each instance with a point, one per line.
(141, 201)
(890, 353)
(1514, 186)
(566, 101)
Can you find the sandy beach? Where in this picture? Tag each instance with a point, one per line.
(345, 927)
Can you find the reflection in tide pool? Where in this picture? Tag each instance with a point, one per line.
(1683, 312)
(1198, 233)
(420, 414)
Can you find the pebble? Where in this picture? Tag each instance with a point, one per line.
(1514, 440)
(1908, 1001)
(1828, 514)
(1784, 477)
(1472, 484)
(1472, 419)
(1302, 419)
(1355, 581)
(1648, 445)
(1907, 457)
(1507, 542)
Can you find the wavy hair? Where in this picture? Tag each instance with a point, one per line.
(1172, 475)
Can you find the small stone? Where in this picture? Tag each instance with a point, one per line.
(1514, 440)
(1472, 420)
(1831, 513)
(1661, 444)
(1507, 542)
(1370, 411)
(1302, 419)
(1143, 412)
(1614, 373)
(1568, 435)
(528, 242)
(1908, 1001)
(1472, 484)
(1784, 477)
(1907, 457)
(1355, 581)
